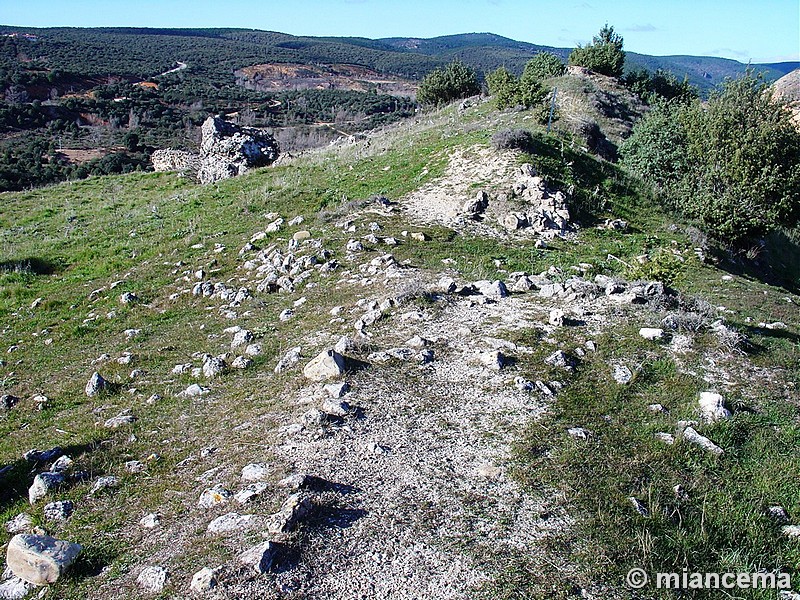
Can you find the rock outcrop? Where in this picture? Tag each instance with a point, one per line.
(226, 150)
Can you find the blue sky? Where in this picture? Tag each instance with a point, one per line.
(757, 30)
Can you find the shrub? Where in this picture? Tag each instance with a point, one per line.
(661, 85)
(604, 55)
(512, 139)
(527, 91)
(453, 82)
(733, 165)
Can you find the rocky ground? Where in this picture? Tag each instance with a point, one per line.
(372, 455)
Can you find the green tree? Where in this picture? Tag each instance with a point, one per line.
(503, 87)
(545, 65)
(453, 82)
(532, 91)
(733, 165)
(604, 55)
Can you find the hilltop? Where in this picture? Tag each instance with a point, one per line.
(409, 364)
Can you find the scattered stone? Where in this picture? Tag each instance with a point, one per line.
(42, 456)
(40, 559)
(150, 521)
(22, 523)
(337, 390)
(231, 522)
(544, 388)
(95, 385)
(286, 314)
(524, 284)
(242, 362)
(639, 507)
(791, 531)
(354, 246)
(43, 484)
(241, 338)
(690, 435)
(491, 289)
(250, 492)
(290, 359)
(104, 483)
(560, 360)
(128, 298)
(712, 407)
(419, 236)
(651, 333)
(667, 438)
(556, 318)
(418, 342)
(214, 497)
(622, 374)
(657, 408)
(314, 418)
(579, 433)
(425, 356)
(15, 588)
(344, 345)
(681, 495)
(204, 580)
(194, 391)
(523, 385)
(295, 481)
(337, 408)
(213, 366)
(58, 511)
(119, 421)
(326, 365)
(475, 207)
(7, 401)
(259, 558)
(153, 579)
(255, 472)
(254, 350)
(778, 514)
(494, 360)
(294, 509)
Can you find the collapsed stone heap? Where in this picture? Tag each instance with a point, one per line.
(539, 208)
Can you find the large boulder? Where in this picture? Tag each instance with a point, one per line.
(228, 150)
(40, 559)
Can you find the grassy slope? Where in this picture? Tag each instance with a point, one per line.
(63, 242)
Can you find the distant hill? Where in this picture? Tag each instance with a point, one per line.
(213, 55)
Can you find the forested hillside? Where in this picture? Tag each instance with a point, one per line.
(77, 102)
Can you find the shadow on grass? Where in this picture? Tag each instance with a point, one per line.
(33, 266)
(18, 476)
(777, 263)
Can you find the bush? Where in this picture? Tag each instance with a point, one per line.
(527, 91)
(512, 139)
(733, 165)
(454, 82)
(604, 55)
(661, 85)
